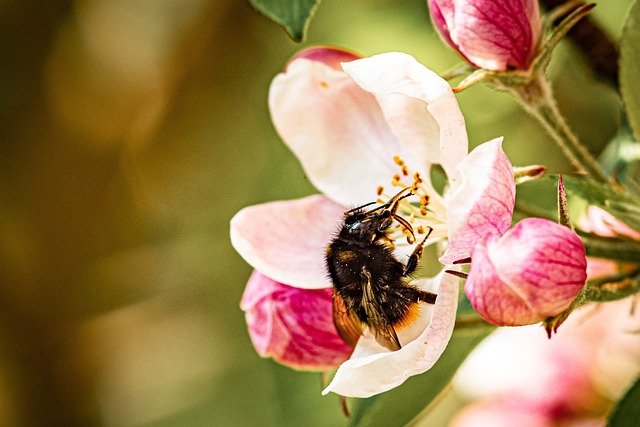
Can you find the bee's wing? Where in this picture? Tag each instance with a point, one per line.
(384, 331)
(348, 325)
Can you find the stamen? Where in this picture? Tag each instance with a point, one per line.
(410, 239)
(408, 215)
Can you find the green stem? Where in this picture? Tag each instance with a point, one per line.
(537, 97)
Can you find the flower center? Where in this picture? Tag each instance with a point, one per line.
(423, 210)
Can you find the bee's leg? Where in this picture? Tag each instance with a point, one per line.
(412, 264)
(428, 297)
(389, 213)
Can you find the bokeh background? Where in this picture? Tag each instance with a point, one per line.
(131, 131)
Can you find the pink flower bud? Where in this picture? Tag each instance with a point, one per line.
(292, 325)
(532, 272)
(491, 34)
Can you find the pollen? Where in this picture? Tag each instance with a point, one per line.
(396, 179)
(420, 229)
(379, 190)
(346, 256)
(398, 160)
(424, 200)
(405, 170)
(324, 84)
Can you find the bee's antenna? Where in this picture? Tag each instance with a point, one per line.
(359, 207)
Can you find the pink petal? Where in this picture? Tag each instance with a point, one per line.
(294, 326)
(335, 129)
(602, 223)
(419, 106)
(331, 56)
(491, 34)
(374, 370)
(601, 267)
(483, 204)
(286, 241)
(437, 16)
(532, 272)
(501, 412)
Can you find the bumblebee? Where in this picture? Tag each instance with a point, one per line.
(370, 286)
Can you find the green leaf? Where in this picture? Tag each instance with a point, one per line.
(630, 67)
(563, 208)
(627, 413)
(402, 404)
(292, 15)
(598, 194)
(621, 157)
(619, 203)
(610, 248)
(612, 288)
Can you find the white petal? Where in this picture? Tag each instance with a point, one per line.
(286, 241)
(419, 106)
(336, 130)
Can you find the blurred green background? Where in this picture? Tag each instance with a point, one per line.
(131, 132)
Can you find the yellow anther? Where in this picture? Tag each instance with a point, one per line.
(420, 229)
(416, 178)
(423, 211)
(380, 190)
(405, 170)
(398, 160)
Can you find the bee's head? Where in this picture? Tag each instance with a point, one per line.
(360, 223)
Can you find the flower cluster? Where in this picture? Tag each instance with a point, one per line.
(361, 126)
(571, 379)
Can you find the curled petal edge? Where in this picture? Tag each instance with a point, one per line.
(483, 203)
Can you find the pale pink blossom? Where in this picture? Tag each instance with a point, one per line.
(518, 376)
(491, 34)
(346, 127)
(378, 122)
